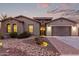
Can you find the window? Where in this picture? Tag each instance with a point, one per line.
(8, 28)
(31, 28)
(14, 28)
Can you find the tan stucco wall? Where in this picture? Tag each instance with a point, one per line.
(11, 22)
(74, 31)
(62, 23)
(27, 22)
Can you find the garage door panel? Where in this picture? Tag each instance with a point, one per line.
(61, 30)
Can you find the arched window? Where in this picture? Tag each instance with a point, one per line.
(8, 28)
(14, 28)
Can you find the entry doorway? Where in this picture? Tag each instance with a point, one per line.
(42, 30)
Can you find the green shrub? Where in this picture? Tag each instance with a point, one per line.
(24, 35)
(13, 34)
(39, 40)
(1, 36)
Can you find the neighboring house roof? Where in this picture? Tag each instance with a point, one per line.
(10, 18)
(26, 18)
(63, 19)
(43, 18)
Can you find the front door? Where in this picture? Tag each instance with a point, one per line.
(42, 30)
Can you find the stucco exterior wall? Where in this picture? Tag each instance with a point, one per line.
(27, 22)
(74, 31)
(11, 22)
(61, 23)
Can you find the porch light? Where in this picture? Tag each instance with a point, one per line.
(48, 31)
(74, 28)
(49, 28)
(42, 28)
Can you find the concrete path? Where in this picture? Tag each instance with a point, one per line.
(62, 47)
(70, 40)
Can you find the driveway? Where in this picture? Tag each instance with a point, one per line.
(70, 40)
(65, 45)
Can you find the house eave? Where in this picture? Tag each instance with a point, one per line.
(63, 19)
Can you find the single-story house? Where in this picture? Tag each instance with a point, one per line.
(40, 26)
(20, 24)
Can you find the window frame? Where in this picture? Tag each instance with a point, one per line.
(10, 28)
(13, 27)
(33, 28)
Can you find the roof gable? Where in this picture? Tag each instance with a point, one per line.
(26, 18)
(22, 17)
(10, 18)
(62, 18)
(43, 19)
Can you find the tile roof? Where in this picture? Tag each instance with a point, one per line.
(10, 18)
(26, 18)
(63, 19)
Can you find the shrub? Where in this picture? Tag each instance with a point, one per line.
(1, 36)
(44, 43)
(41, 41)
(24, 35)
(37, 40)
(13, 34)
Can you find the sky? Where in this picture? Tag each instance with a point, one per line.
(33, 9)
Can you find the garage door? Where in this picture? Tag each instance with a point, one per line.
(61, 30)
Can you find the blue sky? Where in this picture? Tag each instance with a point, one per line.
(32, 9)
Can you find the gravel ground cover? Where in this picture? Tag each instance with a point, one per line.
(24, 47)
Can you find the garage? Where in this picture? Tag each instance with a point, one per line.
(61, 30)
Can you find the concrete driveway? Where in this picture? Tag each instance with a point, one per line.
(63, 46)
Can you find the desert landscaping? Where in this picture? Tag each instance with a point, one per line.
(26, 47)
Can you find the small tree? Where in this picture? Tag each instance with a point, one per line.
(3, 16)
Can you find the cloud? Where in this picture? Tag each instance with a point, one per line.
(43, 5)
(65, 6)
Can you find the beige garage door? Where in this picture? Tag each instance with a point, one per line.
(61, 30)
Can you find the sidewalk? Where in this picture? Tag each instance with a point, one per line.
(63, 48)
